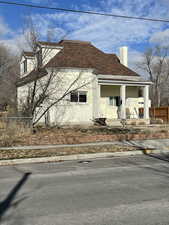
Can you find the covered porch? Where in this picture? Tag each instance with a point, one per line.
(121, 99)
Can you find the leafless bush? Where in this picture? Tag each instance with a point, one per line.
(9, 135)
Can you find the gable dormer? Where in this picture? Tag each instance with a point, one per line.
(46, 51)
(27, 63)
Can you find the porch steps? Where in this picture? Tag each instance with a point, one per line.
(117, 122)
(113, 122)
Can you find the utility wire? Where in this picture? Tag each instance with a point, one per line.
(84, 12)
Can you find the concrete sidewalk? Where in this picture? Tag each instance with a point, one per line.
(158, 146)
(84, 157)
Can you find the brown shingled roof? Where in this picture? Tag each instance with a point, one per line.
(79, 54)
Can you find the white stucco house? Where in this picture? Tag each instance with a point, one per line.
(114, 92)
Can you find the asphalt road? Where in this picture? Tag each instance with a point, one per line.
(116, 191)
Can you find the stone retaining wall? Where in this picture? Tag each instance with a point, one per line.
(79, 139)
(120, 137)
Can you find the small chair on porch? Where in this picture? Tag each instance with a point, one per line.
(128, 113)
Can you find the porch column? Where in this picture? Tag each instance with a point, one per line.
(98, 100)
(146, 102)
(123, 103)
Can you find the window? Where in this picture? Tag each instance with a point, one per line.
(82, 96)
(39, 58)
(74, 97)
(78, 96)
(114, 100)
(25, 66)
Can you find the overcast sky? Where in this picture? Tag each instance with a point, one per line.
(105, 33)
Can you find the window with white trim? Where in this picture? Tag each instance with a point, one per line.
(78, 96)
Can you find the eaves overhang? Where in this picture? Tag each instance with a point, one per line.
(50, 46)
(32, 76)
(125, 82)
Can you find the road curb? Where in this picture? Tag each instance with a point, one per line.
(79, 157)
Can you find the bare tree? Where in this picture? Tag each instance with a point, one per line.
(8, 75)
(156, 65)
(50, 87)
(51, 90)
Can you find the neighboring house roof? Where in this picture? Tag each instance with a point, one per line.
(79, 54)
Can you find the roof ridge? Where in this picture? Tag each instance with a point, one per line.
(111, 54)
(75, 41)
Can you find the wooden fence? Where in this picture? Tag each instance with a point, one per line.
(158, 113)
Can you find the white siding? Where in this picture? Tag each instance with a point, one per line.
(66, 112)
(49, 53)
(30, 65)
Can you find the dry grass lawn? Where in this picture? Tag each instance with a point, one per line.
(20, 154)
(19, 136)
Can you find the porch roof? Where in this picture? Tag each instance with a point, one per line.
(119, 80)
(112, 81)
